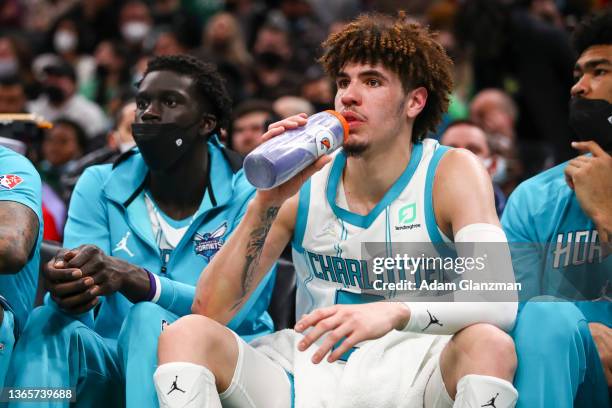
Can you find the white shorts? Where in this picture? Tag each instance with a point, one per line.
(265, 368)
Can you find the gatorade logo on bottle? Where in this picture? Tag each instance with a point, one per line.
(324, 140)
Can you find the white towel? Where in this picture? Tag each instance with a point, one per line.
(389, 372)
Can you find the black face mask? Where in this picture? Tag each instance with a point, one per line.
(163, 144)
(55, 94)
(591, 119)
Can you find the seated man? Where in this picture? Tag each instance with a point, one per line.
(561, 221)
(385, 178)
(470, 136)
(20, 237)
(141, 230)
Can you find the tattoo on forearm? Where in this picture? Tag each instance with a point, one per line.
(254, 249)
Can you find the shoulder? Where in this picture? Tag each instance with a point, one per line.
(17, 172)
(93, 179)
(461, 168)
(542, 191)
(13, 160)
(462, 192)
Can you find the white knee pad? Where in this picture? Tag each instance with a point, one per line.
(185, 385)
(482, 391)
(258, 382)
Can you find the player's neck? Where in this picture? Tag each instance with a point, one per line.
(179, 191)
(367, 178)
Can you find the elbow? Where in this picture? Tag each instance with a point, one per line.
(12, 259)
(197, 306)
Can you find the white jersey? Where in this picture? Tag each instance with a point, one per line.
(327, 245)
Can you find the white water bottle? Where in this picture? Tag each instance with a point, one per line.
(282, 157)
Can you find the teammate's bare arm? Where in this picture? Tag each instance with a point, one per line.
(18, 232)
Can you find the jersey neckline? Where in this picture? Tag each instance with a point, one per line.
(364, 221)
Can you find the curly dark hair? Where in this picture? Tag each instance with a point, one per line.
(208, 81)
(407, 49)
(596, 30)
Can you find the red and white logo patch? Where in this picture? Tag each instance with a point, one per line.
(9, 181)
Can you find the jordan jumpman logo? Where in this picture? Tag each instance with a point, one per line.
(122, 245)
(432, 320)
(491, 402)
(175, 387)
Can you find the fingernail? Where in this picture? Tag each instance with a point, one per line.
(93, 291)
(88, 281)
(77, 274)
(59, 264)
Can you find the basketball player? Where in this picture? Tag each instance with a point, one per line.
(565, 216)
(393, 84)
(20, 238)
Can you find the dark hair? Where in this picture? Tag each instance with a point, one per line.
(407, 49)
(78, 130)
(491, 144)
(595, 30)
(250, 106)
(210, 84)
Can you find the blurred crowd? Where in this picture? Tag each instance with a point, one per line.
(75, 63)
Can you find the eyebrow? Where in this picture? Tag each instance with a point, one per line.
(592, 64)
(367, 73)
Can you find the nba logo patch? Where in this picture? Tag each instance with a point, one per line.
(9, 181)
(209, 243)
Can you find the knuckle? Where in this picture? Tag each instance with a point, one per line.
(325, 325)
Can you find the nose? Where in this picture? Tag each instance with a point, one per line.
(350, 95)
(151, 113)
(581, 87)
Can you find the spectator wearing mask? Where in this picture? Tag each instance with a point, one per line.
(112, 74)
(65, 38)
(272, 52)
(60, 99)
(467, 135)
(224, 41)
(495, 112)
(135, 25)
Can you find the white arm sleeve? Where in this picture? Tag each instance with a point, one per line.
(450, 317)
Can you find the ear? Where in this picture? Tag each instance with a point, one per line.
(208, 124)
(416, 100)
(111, 140)
(493, 168)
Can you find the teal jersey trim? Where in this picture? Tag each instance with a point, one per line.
(301, 217)
(364, 221)
(430, 216)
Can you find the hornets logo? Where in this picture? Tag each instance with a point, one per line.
(209, 243)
